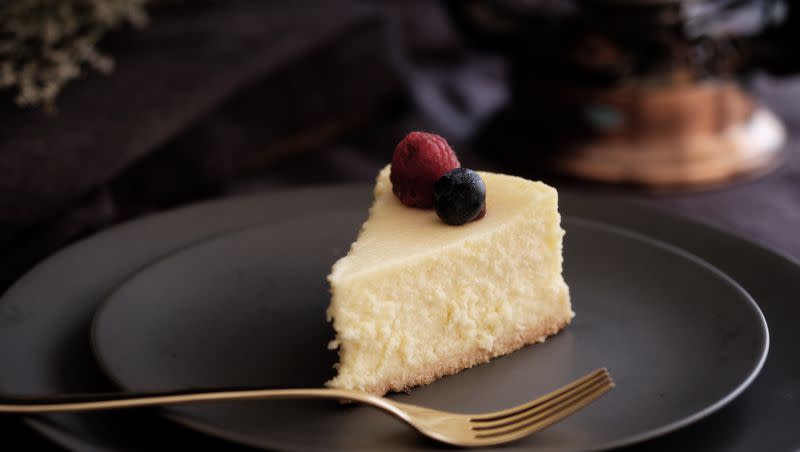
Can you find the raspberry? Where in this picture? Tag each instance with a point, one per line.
(419, 160)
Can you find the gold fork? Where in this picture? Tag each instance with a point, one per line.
(484, 429)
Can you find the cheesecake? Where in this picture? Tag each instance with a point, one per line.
(416, 299)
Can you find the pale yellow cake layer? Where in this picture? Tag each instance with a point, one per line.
(416, 299)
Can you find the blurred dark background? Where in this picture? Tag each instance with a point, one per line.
(215, 98)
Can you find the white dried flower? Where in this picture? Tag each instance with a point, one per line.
(45, 43)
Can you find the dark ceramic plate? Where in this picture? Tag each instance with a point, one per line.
(44, 318)
(248, 309)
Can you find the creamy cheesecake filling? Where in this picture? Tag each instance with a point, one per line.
(416, 299)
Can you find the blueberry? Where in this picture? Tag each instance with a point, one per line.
(459, 196)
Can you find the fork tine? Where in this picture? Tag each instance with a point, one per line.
(547, 418)
(535, 412)
(527, 407)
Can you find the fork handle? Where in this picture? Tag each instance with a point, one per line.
(122, 400)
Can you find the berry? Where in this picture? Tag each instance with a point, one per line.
(460, 196)
(418, 162)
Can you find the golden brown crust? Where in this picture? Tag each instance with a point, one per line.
(470, 358)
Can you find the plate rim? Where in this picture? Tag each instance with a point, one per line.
(221, 432)
(64, 436)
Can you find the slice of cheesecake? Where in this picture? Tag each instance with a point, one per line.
(416, 299)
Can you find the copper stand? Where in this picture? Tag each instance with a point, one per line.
(674, 138)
